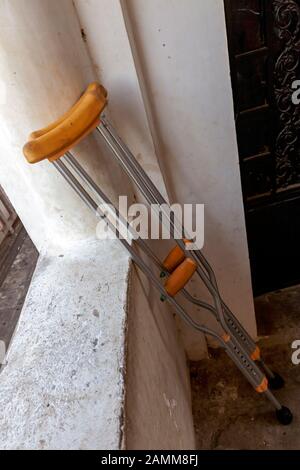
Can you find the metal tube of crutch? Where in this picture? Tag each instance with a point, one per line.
(95, 188)
(158, 198)
(74, 183)
(136, 173)
(257, 380)
(138, 176)
(130, 169)
(255, 376)
(233, 323)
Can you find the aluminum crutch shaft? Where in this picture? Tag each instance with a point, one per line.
(144, 246)
(246, 366)
(127, 166)
(91, 204)
(137, 173)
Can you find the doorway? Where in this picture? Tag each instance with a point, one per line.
(18, 257)
(264, 51)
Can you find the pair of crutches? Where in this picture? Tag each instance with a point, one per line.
(54, 143)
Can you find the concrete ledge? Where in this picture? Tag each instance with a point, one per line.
(63, 385)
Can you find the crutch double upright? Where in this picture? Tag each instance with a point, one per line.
(55, 142)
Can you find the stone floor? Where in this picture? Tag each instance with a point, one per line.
(19, 260)
(228, 413)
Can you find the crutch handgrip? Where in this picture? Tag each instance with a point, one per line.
(180, 276)
(175, 257)
(58, 137)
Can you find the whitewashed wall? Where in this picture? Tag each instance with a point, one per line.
(44, 68)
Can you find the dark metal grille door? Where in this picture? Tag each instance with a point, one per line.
(264, 50)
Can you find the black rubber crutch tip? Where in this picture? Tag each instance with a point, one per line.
(284, 416)
(276, 382)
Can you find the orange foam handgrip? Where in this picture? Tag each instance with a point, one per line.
(180, 276)
(58, 137)
(174, 258)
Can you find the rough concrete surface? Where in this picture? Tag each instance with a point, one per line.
(63, 385)
(228, 413)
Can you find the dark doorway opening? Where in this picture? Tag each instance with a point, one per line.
(264, 51)
(18, 257)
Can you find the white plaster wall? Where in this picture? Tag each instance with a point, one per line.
(182, 51)
(44, 67)
(108, 45)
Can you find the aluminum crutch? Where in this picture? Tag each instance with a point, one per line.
(251, 372)
(153, 196)
(54, 143)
